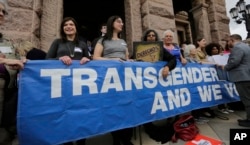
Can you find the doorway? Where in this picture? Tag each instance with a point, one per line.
(92, 14)
(184, 23)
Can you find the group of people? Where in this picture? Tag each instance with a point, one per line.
(200, 52)
(111, 46)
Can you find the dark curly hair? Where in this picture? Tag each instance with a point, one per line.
(210, 47)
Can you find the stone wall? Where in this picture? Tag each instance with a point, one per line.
(23, 20)
(50, 22)
(218, 20)
(39, 20)
(211, 21)
(133, 23)
(157, 15)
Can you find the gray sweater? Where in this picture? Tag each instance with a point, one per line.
(59, 48)
(114, 48)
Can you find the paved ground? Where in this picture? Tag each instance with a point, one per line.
(215, 128)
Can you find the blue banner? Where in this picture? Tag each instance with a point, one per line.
(59, 103)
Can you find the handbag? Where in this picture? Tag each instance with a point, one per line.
(185, 128)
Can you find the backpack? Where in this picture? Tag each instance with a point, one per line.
(185, 128)
(161, 134)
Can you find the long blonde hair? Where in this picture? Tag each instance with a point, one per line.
(23, 48)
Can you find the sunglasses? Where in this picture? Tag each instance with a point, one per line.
(4, 11)
(151, 35)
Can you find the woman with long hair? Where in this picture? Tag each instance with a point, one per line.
(200, 48)
(69, 48)
(155, 131)
(150, 36)
(113, 47)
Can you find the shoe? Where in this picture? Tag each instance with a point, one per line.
(201, 120)
(242, 120)
(207, 114)
(244, 123)
(229, 110)
(224, 111)
(204, 119)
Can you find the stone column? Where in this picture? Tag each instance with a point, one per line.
(50, 24)
(218, 20)
(36, 25)
(23, 21)
(132, 22)
(158, 15)
(202, 26)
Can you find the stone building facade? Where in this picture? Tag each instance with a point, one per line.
(39, 20)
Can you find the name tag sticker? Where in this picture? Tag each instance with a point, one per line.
(77, 49)
(124, 44)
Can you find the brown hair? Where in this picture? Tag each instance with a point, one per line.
(62, 33)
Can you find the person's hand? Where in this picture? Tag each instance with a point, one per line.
(183, 61)
(165, 71)
(2, 55)
(220, 66)
(14, 63)
(119, 59)
(66, 60)
(84, 60)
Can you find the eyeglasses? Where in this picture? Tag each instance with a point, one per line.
(151, 35)
(4, 11)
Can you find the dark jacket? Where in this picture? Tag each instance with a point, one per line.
(36, 54)
(238, 63)
(171, 60)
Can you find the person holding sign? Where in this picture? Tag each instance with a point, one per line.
(160, 133)
(239, 72)
(5, 78)
(213, 49)
(68, 48)
(13, 63)
(113, 47)
(168, 45)
(152, 36)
